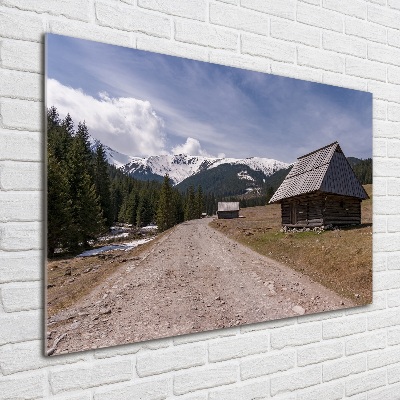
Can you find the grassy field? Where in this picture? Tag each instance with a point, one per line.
(340, 260)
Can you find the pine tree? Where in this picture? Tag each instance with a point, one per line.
(59, 207)
(165, 211)
(199, 202)
(103, 183)
(190, 206)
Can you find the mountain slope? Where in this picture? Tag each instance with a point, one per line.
(180, 167)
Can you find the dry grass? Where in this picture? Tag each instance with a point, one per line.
(340, 260)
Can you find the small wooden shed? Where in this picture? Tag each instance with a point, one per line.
(227, 210)
(321, 189)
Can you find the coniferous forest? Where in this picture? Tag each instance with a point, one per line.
(86, 195)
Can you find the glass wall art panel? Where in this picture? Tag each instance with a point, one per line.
(185, 196)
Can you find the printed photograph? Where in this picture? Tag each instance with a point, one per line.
(185, 196)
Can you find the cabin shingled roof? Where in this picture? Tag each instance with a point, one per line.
(326, 170)
(228, 206)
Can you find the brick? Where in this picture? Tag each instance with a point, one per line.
(365, 342)
(283, 9)
(247, 391)
(295, 32)
(79, 9)
(22, 206)
(296, 335)
(383, 358)
(21, 296)
(26, 146)
(151, 390)
(28, 356)
(385, 394)
(386, 129)
(20, 327)
(383, 54)
(365, 382)
(383, 91)
(379, 110)
(279, 323)
(320, 316)
(343, 367)
(330, 391)
(319, 17)
(389, 279)
(318, 353)
(23, 85)
(238, 18)
(204, 378)
(299, 379)
(235, 347)
(89, 31)
(380, 183)
(22, 114)
(320, 59)
(16, 236)
(343, 327)
(172, 359)
(354, 8)
(344, 44)
(205, 35)
(393, 189)
(387, 242)
(394, 4)
(25, 386)
(365, 30)
(394, 75)
(18, 267)
(393, 299)
(269, 48)
(267, 364)
(394, 374)
(365, 69)
(384, 16)
(393, 38)
(20, 55)
(20, 175)
(387, 205)
(193, 9)
(20, 26)
(393, 112)
(383, 319)
(172, 48)
(87, 376)
(132, 19)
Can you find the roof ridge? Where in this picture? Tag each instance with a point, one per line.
(322, 148)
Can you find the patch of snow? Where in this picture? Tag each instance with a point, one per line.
(123, 246)
(244, 175)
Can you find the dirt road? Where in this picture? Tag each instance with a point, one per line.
(192, 279)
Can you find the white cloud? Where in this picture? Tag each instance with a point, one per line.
(191, 147)
(128, 125)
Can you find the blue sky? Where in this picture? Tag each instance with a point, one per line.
(142, 103)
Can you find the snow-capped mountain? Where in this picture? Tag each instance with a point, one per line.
(180, 167)
(113, 156)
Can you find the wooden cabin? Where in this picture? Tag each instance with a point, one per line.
(321, 189)
(227, 210)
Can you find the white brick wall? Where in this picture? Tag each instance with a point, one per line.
(352, 43)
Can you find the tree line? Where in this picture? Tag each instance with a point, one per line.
(86, 195)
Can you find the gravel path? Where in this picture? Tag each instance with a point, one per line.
(192, 279)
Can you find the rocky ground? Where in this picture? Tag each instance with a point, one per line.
(191, 279)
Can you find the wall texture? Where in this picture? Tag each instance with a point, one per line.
(355, 353)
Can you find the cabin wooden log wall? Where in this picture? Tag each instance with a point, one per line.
(319, 209)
